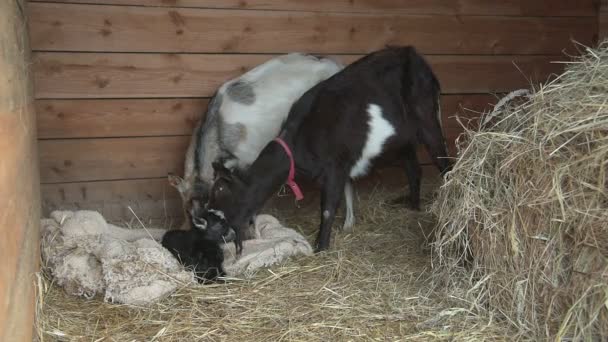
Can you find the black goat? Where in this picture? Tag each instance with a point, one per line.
(199, 247)
(387, 100)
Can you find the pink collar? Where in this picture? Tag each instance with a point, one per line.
(292, 171)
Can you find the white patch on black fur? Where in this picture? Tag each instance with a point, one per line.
(379, 131)
(349, 220)
(218, 213)
(326, 214)
(200, 223)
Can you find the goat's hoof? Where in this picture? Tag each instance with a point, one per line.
(320, 248)
(414, 206)
(347, 228)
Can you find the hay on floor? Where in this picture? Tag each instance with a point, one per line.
(526, 207)
(373, 285)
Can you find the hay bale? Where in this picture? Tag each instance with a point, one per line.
(526, 206)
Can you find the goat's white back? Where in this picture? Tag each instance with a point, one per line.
(277, 84)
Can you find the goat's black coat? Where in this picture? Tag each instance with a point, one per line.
(327, 129)
(197, 248)
(204, 256)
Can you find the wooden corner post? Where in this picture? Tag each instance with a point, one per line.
(19, 178)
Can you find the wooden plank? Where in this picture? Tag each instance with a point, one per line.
(155, 200)
(117, 190)
(80, 160)
(113, 158)
(99, 75)
(120, 75)
(67, 27)
(455, 7)
(149, 198)
(19, 179)
(59, 119)
(118, 117)
(467, 107)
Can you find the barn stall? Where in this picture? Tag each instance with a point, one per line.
(119, 86)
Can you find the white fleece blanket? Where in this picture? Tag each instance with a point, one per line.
(88, 256)
(273, 243)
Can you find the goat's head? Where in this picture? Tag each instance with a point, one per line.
(220, 216)
(211, 223)
(194, 192)
(194, 251)
(226, 188)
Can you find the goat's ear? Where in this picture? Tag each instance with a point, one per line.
(174, 180)
(220, 171)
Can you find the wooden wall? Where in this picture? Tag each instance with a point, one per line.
(19, 178)
(603, 20)
(120, 83)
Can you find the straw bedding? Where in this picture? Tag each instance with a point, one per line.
(372, 285)
(526, 208)
(520, 249)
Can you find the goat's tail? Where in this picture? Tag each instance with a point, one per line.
(421, 94)
(420, 85)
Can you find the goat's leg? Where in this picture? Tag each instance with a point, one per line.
(413, 173)
(331, 194)
(349, 219)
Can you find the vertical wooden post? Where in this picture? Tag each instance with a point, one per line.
(602, 18)
(19, 178)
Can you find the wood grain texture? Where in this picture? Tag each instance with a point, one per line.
(114, 120)
(122, 75)
(80, 160)
(64, 27)
(155, 201)
(19, 179)
(113, 158)
(457, 7)
(148, 198)
(118, 117)
(59, 119)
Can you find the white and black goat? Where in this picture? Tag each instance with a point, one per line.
(244, 115)
(387, 100)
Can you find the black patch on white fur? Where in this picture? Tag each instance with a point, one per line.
(241, 92)
(230, 136)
